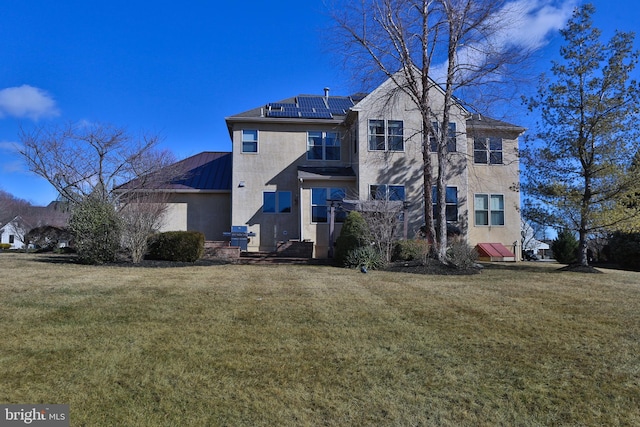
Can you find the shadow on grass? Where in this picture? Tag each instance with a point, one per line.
(524, 266)
(537, 267)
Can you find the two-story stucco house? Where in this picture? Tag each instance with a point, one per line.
(293, 157)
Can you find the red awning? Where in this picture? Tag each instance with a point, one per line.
(495, 252)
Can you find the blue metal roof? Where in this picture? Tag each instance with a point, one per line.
(205, 171)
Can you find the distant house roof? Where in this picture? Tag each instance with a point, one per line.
(56, 214)
(204, 171)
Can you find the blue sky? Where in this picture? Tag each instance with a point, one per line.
(178, 69)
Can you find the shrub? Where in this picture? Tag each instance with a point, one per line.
(4, 246)
(95, 226)
(181, 246)
(410, 250)
(625, 249)
(364, 256)
(461, 255)
(565, 247)
(47, 237)
(354, 234)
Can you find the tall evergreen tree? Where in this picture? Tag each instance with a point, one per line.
(583, 171)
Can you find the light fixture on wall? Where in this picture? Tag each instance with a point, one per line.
(241, 184)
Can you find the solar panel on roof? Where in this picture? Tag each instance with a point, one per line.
(310, 114)
(286, 113)
(309, 102)
(285, 105)
(339, 105)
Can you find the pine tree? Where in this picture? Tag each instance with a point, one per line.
(583, 170)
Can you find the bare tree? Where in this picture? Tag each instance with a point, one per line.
(11, 206)
(141, 216)
(106, 164)
(384, 218)
(429, 48)
(82, 159)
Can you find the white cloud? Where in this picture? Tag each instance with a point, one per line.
(13, 166)
(528, 24)
(8, 146)
(27, 101)
(524, 24)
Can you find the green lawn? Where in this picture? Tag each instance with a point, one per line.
(295, 345)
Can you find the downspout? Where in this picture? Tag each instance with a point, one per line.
(300, 222)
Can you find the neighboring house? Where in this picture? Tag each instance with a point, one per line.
(531, 245)
(293, 158)
(12, 233)
(56, 214)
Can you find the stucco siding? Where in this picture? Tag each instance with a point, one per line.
(206, 212)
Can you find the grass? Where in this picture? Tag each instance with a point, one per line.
(254, 345)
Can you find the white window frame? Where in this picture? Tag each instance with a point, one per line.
(490, 210)
(329, 191)
(386, 187)
(452, 138)
(252, 141)
(434, 194)
(278, 209)
(323, 136)
(489, 154)
(387, 135)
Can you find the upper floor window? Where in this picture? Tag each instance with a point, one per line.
(321, 201)
(386, 135)
(450, 200)
(487, 151)
(387, 192)
(276, 202)
(451, 138)
(489, 209)
(249, 141)
(323, 146)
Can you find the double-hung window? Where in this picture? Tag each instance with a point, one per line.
(386, 135)
(387, 192)
(489, 209)
(451, 138)
(487, 151)
(321, 199)
(249, 141)
(276, 202)
(323, 146)
(451, 202)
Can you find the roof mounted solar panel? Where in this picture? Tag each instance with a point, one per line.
(310, 102)
(339, 105)
(283, 113)
(282, 105)
(310, 114)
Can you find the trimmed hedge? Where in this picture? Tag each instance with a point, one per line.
(180, 246)
(353, 235)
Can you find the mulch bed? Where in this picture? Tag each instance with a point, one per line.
(431, 266)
